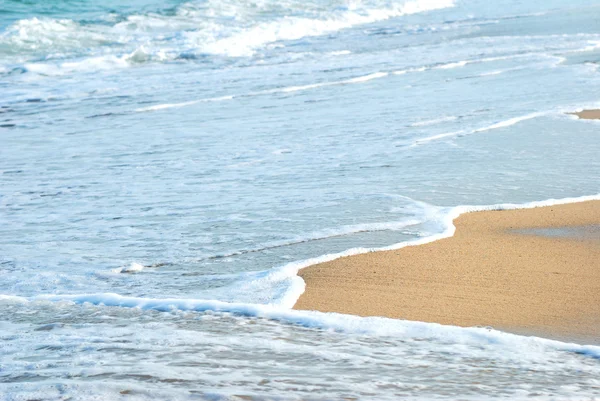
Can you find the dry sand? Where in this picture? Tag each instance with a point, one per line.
(544, 280)
(588, 114)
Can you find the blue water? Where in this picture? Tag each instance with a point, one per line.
(205, 150)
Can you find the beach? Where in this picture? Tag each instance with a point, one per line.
(527, 271)
(176, 174)
(592, 114)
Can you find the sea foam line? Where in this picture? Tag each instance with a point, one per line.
(286, 89)
(376, 326)
(564, 111)
(500, 124)
(354, 80)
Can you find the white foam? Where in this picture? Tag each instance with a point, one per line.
(246, 42)
(340, 53)
(303, 87)
(226, 28)
(132, 268)
(463, 63)
(359, 79)
(491, 73)
(434, 121)
(58, 34)
(183, 104)
(167, 106)
(375, 326)
(85, 65)
(12, 298)
(511, 121)
(286, 89)
(437, 137)
(355, 80)
(453, 65)
(593, 45)
(366, 78)
(501, 124)
(282, 287)
(280, 308)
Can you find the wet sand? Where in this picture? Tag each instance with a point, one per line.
(528, 271)
(588, 114)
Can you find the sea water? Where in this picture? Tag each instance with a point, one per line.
(166, 167)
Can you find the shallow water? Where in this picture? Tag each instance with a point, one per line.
(193, 155)
(589, 233)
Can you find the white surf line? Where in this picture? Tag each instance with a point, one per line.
(434, 121)
(437, 137)
(286, 89)
(359, 79)
(511, 121)
(183, 104)
(500, 124)
(463, 63)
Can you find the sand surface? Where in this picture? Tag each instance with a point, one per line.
(529, 271)
(588, 114)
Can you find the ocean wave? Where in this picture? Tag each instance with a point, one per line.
(246, 42)
(226, 28)
(53, 35)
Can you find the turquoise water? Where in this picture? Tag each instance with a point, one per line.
(189, 157)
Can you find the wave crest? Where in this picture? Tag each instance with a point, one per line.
(225, 28)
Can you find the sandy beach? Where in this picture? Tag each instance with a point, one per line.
(528, 271)
(588, 114)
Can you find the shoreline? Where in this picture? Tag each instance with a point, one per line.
(589, 114)
(434, 281)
